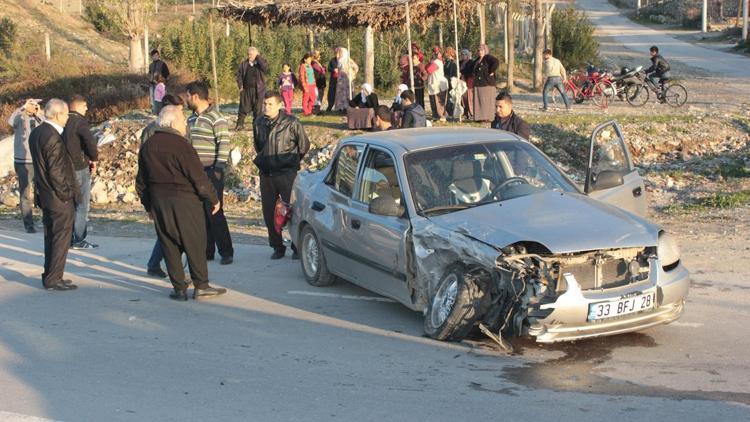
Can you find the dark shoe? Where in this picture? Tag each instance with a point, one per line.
(226, 260)
(156, 272)
(208, 292)
(83, 245)
(61, 286)
(30, 229)
(209, 258)
(295, 255)
(278, 253)
(178, 295)
(239, 128)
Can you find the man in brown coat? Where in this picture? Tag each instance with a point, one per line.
(173, 188)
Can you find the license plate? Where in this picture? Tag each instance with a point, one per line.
(615, 308)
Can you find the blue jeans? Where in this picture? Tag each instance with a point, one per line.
(156, 257)
(554, 82)
(83, 178)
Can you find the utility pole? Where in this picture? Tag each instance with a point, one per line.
(744, 21)
(156, 6)
(482, 23)
(704, 17)
(46, 46)
(538, 43)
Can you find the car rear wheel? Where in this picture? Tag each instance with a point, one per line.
(453, 309)
(312, 260)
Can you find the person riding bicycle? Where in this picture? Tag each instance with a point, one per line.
(659, 68)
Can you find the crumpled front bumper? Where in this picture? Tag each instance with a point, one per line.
(568, 319)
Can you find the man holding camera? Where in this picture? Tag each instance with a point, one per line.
(23, 121)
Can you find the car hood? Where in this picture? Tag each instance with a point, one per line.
(562, 222)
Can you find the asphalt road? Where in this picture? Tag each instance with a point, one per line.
(614, 28)
(276, 349)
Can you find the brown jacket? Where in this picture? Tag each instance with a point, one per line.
(169, 166)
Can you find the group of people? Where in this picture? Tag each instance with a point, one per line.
(180, 181)
(56, 153)
(182, 162)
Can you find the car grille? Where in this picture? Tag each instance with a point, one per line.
(613, 272)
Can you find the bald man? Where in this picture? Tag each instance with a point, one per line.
(57, 192)
(173, 188)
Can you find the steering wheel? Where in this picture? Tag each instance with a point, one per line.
(507, 182)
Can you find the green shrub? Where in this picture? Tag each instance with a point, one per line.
(7, 35)
(573, 39)
(103, 20)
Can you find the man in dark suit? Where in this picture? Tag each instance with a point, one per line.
(56, 190)
(173, 188)
(252, 85)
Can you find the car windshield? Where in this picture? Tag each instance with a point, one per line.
(464, 176)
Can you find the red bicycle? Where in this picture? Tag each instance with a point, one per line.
(592, 85)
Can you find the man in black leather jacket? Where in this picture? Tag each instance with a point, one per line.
(56, 191)
(280, 144)
(659, 67)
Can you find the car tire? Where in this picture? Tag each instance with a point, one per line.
(453, 309)
(312, 260)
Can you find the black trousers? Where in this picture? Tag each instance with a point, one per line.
(271, 188)
(250, 102)
(218, 236)
(58, 230)
(180, 223)
(419, 94)
(331, 94)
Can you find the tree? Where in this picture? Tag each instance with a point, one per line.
(130, 16)
(510, 33)
(538, 43)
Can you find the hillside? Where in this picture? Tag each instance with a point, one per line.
(70, 35)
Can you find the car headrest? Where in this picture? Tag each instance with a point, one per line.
(465, 169)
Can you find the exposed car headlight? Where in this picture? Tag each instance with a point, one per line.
(668, 252)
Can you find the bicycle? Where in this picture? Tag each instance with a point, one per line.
(673, 94)
(594, 86)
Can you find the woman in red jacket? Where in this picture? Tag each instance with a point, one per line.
(307, 83)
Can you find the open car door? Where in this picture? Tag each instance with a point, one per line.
(610, 174)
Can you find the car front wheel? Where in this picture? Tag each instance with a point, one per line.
(312, 260)
(454, 307)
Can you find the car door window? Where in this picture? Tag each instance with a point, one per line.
(379, 179)
(609, 160)
(344, 172)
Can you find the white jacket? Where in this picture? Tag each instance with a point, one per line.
(436, 82)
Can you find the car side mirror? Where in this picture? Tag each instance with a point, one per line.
(386, 205)
(606, 179)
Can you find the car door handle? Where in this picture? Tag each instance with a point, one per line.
(356, 224)
(317, 206)
(637, 191)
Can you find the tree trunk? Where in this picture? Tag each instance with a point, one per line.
(510, 33)
(135, 56)
(482, 24)
(499, 17)
(538, 43)
(311, 39)
(369, 56)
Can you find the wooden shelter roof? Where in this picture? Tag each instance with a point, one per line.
(344, 14)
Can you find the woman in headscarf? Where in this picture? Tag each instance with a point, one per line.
(485, 89)
(396, 106)
(437, 85)
(466, 67)
(347, 74)
(366, 98)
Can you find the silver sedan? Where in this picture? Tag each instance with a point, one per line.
(477, 228)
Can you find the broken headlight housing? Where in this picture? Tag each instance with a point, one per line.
(668, 252)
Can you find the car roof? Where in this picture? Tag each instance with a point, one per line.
(422, 138)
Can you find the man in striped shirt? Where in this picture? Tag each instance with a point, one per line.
(209, 134)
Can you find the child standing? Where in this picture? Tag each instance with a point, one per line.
(160, 90)
(287, 81)
(307, 82)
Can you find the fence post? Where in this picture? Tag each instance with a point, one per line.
(47, 46)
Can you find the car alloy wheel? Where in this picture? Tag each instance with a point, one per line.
(310, 255)
(444, 300)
